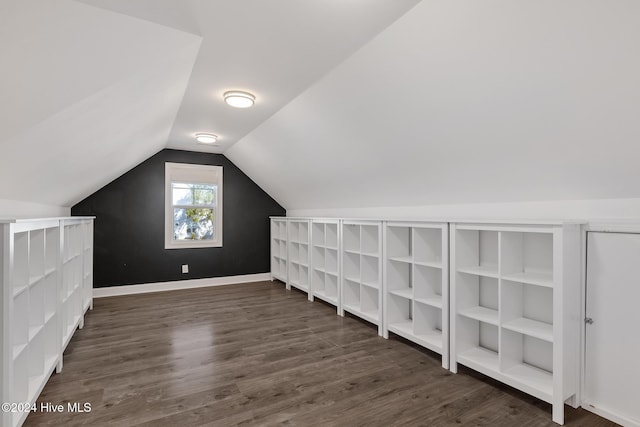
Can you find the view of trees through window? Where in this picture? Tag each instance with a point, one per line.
(193, 211)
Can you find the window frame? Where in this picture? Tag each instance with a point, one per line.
(191, 174)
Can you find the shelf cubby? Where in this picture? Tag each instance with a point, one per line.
(477, 345)
(294, 273)
(427, 285)
(303, 255)
(331, 286)
(331, 261)
(52, 249)
(427, 326)
(20, 388)
(331, 235)
(477, 252)
(510, 282)
(528, 257)
(477, 297)
(529, 360)
(399, 277)
(370, 271)
(304, 277)
(370, 303)
(20, 323)
(427, 246)
(416, 279)
(36, 307)
(351, 294)
(36, 356)
(318, 234)
(318, 282)
(294, 252)
(351, 266)
(399, 313)
(50, 295)
(398, 242)
(36, 256)
(369, 240)
(530, 309)
(21, 261)
(351, 238)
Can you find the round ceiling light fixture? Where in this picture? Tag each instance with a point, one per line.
(239, 99)
(206, 138)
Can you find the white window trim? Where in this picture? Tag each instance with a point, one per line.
(202, 174)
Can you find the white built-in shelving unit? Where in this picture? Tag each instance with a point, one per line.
(361, 257)
(279, 249)
(40, 309)
(416, 284)
(298, 235)
(515, 292)
(499, 297)
(325, 261)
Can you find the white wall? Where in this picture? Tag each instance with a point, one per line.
(587, 210)
(461, 101)
(11, 209)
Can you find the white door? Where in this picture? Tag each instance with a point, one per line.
(612, 354)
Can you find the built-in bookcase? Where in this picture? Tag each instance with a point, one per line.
(298, 254)
(279, 249)
(515, 306)
(361, 290)
(325, 260)
(38, 281)
(416, 285)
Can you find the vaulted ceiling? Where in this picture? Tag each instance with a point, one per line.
(359, 103)
(461, 102)
(91, 88)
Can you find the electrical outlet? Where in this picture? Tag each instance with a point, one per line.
(185, 268)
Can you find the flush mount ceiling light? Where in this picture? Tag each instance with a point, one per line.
(239, 99)
(206, 138)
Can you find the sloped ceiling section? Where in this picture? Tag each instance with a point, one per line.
(462, 102)
(87, 95)
(275, 49)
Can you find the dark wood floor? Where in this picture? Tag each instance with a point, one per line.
(256, 354)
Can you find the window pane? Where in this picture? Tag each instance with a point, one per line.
(193, 194)
(204, 194)
(192, 224)
(182, 194)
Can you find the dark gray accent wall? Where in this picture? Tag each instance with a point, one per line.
(129, 227)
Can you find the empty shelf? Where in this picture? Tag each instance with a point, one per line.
(533, 328)
(404, 293)
(533, 278)
(435, 301)
(482, 314)
(481, 270)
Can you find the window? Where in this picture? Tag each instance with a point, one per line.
(193, 206)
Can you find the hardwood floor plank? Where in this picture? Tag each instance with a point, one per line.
(255, 354)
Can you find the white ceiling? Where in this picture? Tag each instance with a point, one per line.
(360, 103)
(91, 88)
(465, 102)
(273, 49)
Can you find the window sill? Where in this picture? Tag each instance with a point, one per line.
(192, 245)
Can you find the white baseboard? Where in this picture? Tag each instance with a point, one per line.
(178, 284)
(605, 413)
